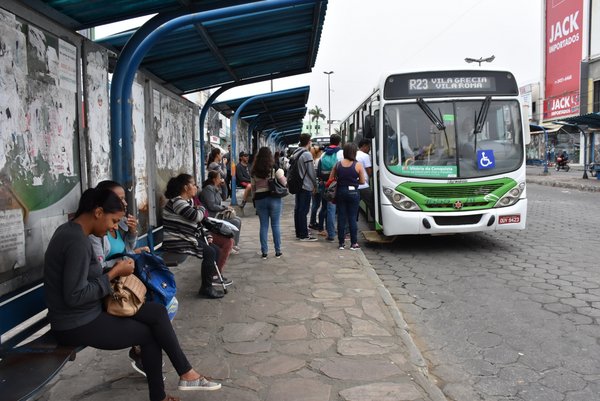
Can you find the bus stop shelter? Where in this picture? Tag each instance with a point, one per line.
(195, 45)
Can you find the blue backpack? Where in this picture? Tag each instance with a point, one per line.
(326, 164)
(159, 280)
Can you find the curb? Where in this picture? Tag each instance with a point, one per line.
(421, 375)
(563, 184)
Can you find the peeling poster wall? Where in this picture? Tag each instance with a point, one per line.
(39, 161)
(139, 154)
(97, 113)
(173, 125)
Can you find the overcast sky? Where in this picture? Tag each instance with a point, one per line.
(362, 40)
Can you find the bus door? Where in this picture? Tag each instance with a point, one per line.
(370, 131)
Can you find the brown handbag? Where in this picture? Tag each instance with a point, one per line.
(127, 298)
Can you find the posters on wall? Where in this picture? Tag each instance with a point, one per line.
(564, 37)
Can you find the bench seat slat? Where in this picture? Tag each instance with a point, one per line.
(24, 374)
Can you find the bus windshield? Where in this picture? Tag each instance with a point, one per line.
(438, 139)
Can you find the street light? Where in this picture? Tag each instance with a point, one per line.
(328, 73)
(480, 60)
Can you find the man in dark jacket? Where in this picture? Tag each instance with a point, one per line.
(306, 168)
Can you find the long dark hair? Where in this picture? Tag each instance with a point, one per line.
(212, 155)
(263, 163)
(109, 184)
(176, 184)
(93, 198)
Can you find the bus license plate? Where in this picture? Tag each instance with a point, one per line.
(511, 219)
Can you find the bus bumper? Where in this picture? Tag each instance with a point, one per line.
(396, 222)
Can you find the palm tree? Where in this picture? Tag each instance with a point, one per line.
(316, 114)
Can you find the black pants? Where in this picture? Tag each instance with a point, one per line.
(210, 255)
(150, 328)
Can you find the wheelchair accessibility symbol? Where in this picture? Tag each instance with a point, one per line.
(485, 159)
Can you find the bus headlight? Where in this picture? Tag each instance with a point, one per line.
(511, 196)
(400, 201)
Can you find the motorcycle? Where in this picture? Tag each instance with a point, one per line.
(562, 163)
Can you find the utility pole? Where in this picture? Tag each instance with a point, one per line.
(328, 73)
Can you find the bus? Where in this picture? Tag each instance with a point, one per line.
(448, 152)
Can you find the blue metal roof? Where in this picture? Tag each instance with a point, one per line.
(82, 14)
(592, 120)
(246, 48)
(282, 113)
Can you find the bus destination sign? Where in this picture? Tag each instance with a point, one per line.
(450, 83)
(453, 84)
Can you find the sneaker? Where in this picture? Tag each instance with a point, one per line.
(264, 256)
(210, 292)
(354, 247)
(236, 248)
(278, 255)
(341, 247)
(243, 204)
(308, 239)
(199, 384)
(216, 282)
(136, 362)
(313, 226)
(234, 251)
(330, 239)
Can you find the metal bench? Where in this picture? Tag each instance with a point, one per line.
(29, 355)
(153, 240)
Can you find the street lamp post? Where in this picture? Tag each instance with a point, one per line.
(328, 73)
(480, 60)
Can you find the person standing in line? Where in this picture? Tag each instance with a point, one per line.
(366, 194)
(332, 154)
(75, 286)
(306, 168)
(317, 196)
(350, 174)
(268, 207)
(242, 177)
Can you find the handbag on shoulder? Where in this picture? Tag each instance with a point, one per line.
(127, 298)
(276, 189)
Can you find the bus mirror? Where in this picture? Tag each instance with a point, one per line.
(369, 127)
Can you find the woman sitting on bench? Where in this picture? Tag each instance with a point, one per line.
(75, 287)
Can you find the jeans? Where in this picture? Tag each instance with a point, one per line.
(330, 224)
(347, 209)
(301, 209)
(314, 208)
(269, 208)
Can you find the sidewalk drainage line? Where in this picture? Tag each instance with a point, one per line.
(422, 376)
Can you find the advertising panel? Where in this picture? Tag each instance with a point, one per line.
(564, 36)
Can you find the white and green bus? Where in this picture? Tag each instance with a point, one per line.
(448, 151)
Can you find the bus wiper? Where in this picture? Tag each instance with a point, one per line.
(445, 133)
(430, 114)
(485, 106)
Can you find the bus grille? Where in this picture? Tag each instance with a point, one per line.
(457, 220)
(458, 191)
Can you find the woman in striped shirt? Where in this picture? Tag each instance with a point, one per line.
(183, 231)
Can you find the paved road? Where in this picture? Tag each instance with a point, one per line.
(508, 315)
